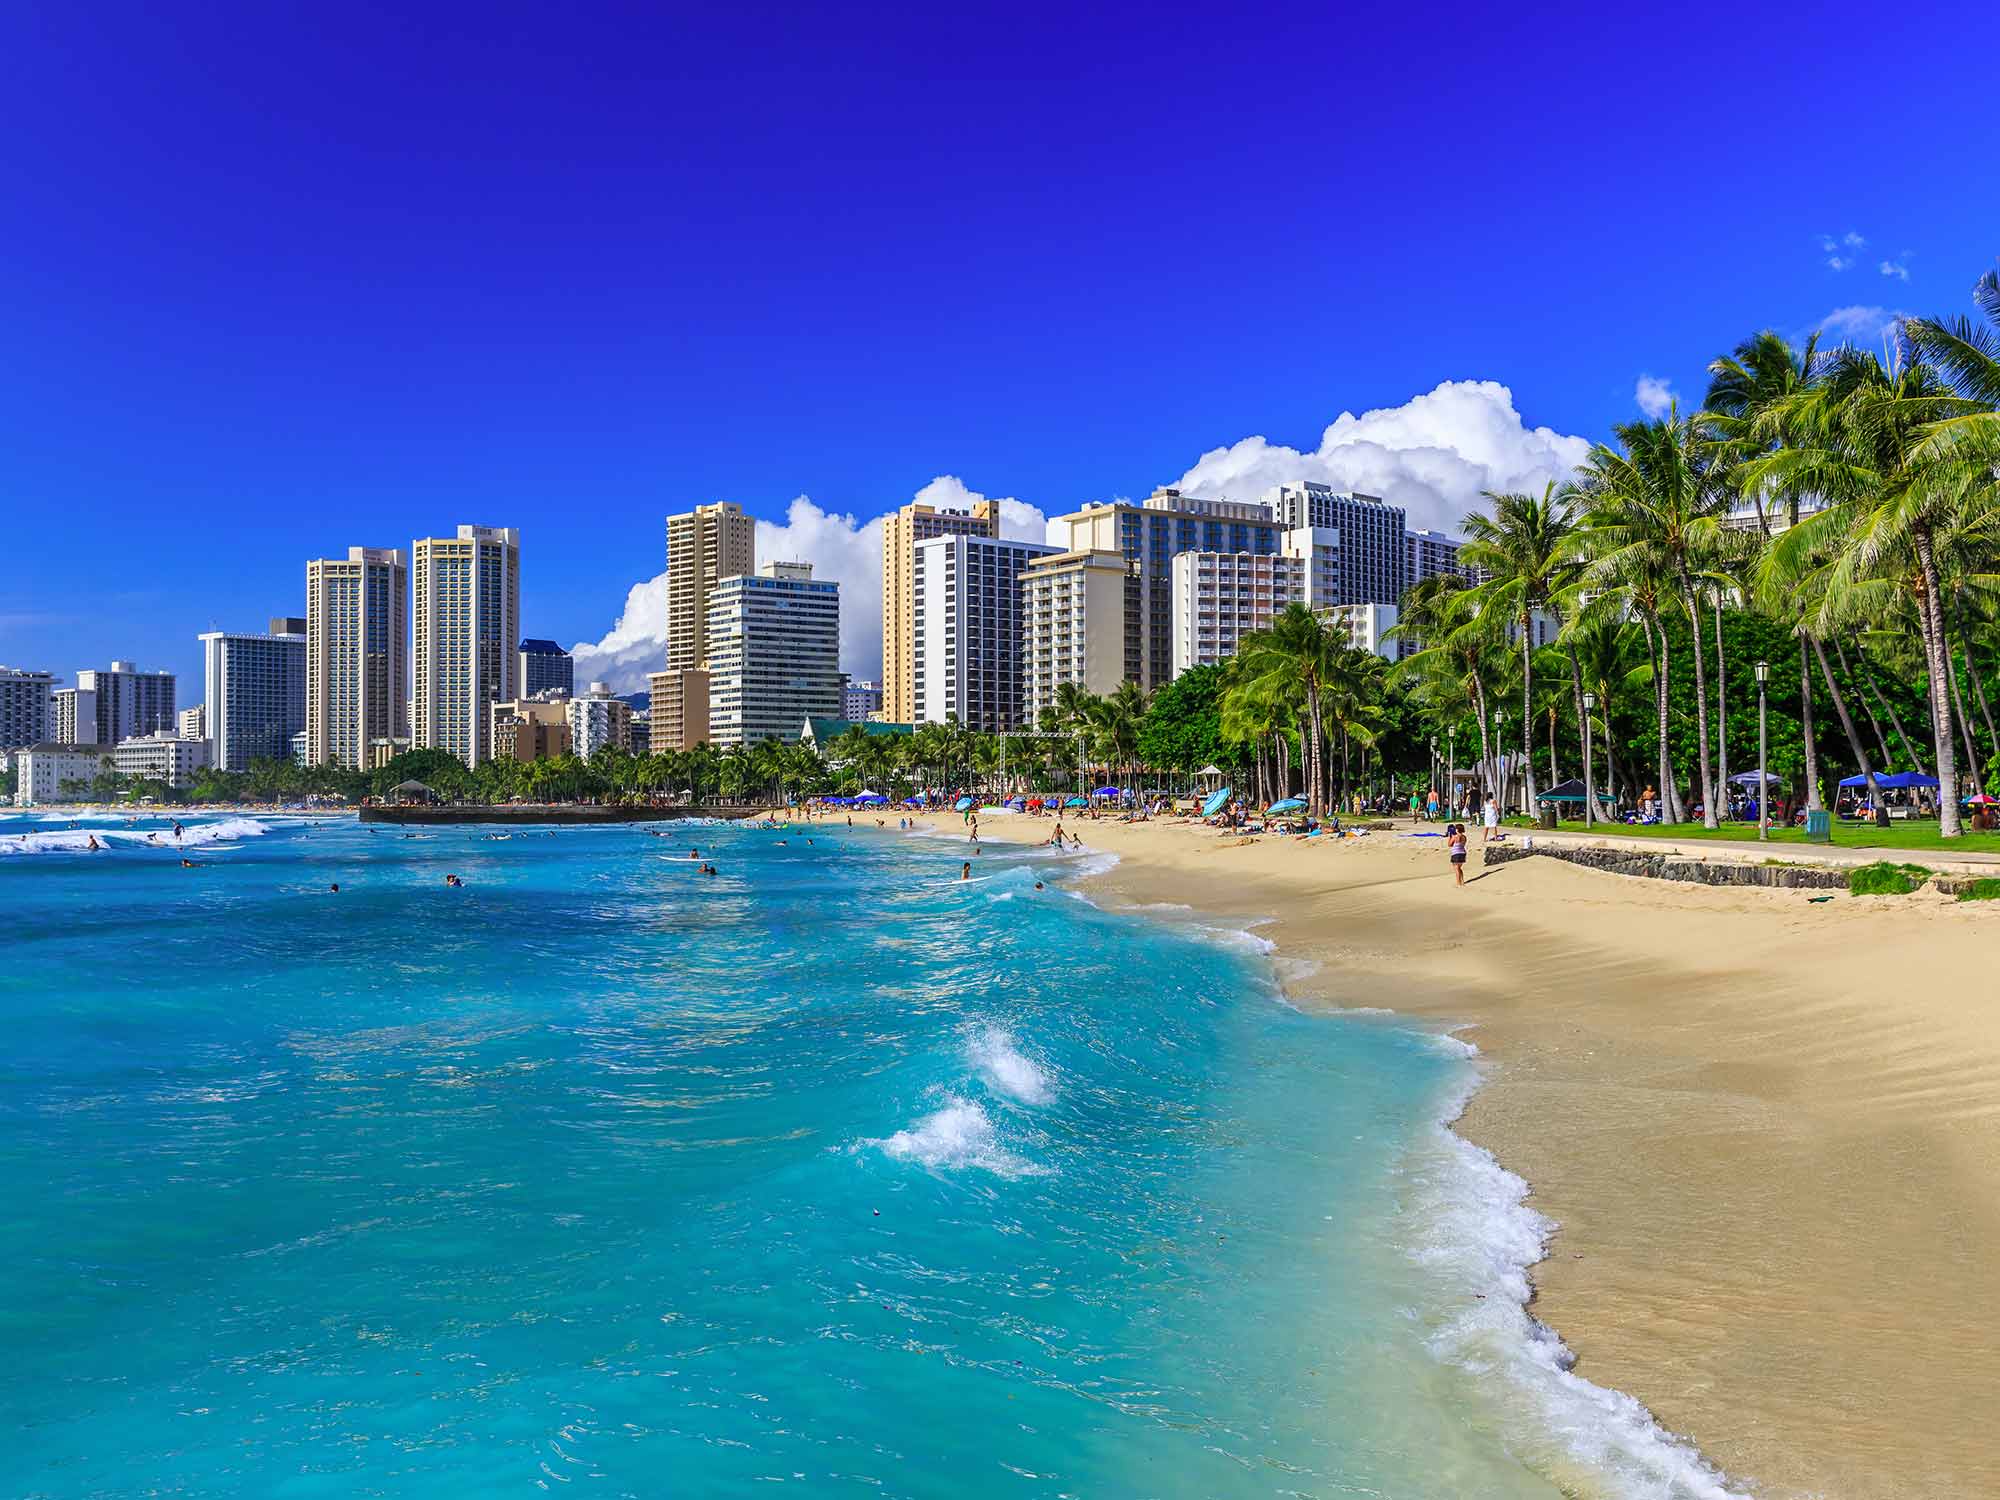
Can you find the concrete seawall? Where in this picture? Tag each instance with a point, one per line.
(1677, 867)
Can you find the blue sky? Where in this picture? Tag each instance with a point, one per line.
(276, 281)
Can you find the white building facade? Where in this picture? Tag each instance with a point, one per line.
(256, 694)
(1368, 627)
(58, 773)
(1373, 550)
(73, 716)
(1220, 597)
(966, 635)
(596, 719)
(161, 757)
(773, 654)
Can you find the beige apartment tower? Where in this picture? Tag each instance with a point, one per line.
(466, 608)
(1080, 623)
(704, 545)
(677, 718)
(901, 532)
(357, 654)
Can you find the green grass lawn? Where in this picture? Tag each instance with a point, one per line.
(1912, 834)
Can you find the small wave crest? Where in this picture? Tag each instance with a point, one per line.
(1005, 1069)
(77, 840)
(954, 1138)
(1479, 1232)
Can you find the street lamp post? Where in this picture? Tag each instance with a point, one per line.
(1763, 750)
(1589, 794)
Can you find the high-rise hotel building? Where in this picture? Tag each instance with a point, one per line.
(1370, 538)
(1220, 597)
(24, 707)
(773, 654)
(256, 693)
(1149, 537)
(902, 532)
(357, 654)
(967, 614)
(465, 605)
(704, 546)
(1080, 623)
(129, 702)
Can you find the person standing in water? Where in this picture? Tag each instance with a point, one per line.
(965, 870)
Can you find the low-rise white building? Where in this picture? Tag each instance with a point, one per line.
(596, 719)
(1220, 597)
(161, 757)
(57, 773)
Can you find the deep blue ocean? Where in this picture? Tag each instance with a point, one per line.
(830, 1173)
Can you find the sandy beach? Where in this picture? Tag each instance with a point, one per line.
(1767, 1128)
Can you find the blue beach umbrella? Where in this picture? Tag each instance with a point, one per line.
(961, 804)
(1217, 800)
(1286, 804)
(1077, 802)
(1108, 791)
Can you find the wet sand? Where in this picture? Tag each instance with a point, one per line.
(1768, 1129)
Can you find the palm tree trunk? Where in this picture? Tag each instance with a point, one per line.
(1722, 709)
(1979, 691)
(1847, 727)
(1708, 818)
(1881, 741)
(1582, 743)
(1527, 715)
(1486, 767)
(1866, 676)
(1671, 806)
(1813, 801)
(1964, 718)
(1932, 618)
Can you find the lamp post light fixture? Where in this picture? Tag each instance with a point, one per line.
(1589, 793)
(1763, 751)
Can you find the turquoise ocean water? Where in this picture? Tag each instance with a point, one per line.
(830, 1173)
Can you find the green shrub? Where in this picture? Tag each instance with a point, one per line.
(1886, 878)
(1981, 890)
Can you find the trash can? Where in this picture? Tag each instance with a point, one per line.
(1819, 826)
(1545, 815)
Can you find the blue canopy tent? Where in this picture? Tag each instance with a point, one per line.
(1217, 800)
(1109, 791)
(1894, 781)
(870, 799)
(913, 802)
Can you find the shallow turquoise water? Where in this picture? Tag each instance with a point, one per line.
(829, 1172)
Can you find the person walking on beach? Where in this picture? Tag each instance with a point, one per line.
(1416, 806)
(1431, 806)
(1490, 823)
(1454, 843)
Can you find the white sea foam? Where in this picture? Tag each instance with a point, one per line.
(1480, 1235)
(957, 1137)
(77, 840)
(1002, 1065)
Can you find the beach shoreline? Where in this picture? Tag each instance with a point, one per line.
(1762, 1124)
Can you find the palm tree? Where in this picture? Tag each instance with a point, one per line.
(1654, 526)
(1881, 448)
(1299, 654)
(1525, 548)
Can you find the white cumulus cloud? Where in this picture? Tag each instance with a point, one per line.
(1433, 455)
(1654, 395)
(841, 547)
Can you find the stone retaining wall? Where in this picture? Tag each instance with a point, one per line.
(1677, 867)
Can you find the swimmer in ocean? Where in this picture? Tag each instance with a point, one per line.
(965, 870)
